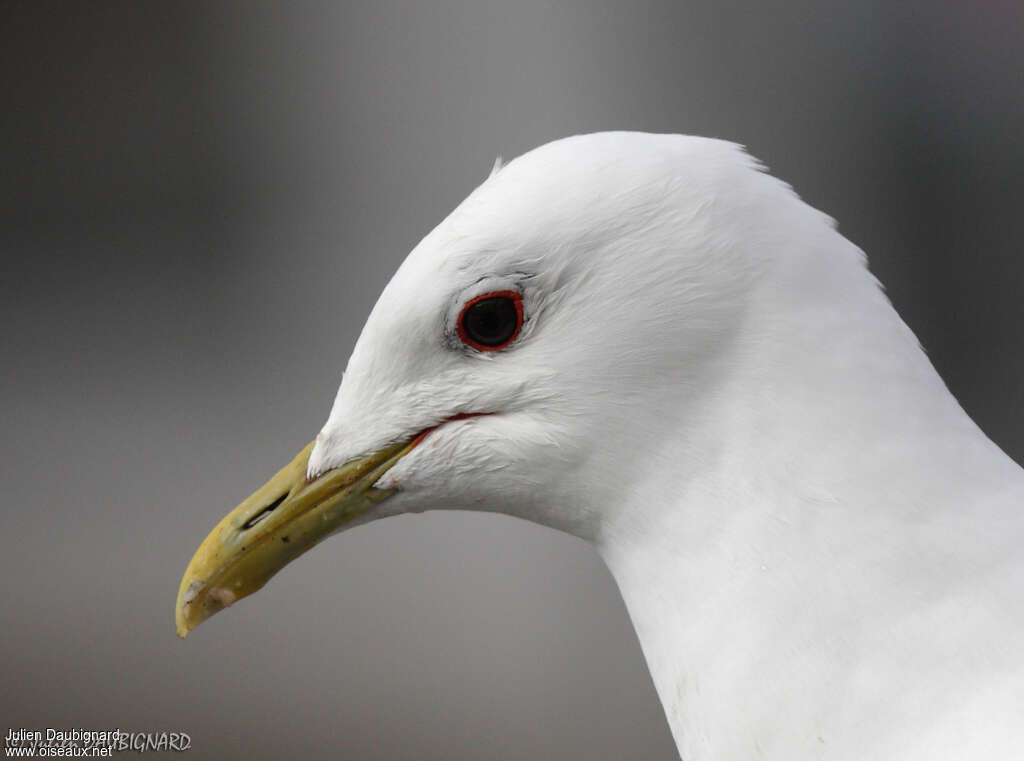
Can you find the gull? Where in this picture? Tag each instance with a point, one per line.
(650, 343)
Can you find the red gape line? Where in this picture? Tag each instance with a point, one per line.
(460, 416)
(517, 299)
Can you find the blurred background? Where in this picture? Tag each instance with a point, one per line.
(199, 203)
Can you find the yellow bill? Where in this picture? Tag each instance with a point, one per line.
(279, 522)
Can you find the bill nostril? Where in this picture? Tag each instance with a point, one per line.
(264, 512)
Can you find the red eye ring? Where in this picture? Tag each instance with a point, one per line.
(505, 307)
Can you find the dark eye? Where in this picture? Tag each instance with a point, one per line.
(491, 321)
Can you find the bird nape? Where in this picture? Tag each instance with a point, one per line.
(648, 342)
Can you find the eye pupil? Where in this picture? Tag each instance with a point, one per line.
(491, 321)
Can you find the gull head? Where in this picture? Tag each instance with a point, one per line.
(555, 342)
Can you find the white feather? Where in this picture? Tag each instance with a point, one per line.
(820, 551)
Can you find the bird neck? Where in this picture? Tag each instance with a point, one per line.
(839, 539)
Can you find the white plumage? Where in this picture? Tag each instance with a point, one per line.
(823, 556)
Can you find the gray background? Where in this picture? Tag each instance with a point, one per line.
(200, 203)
